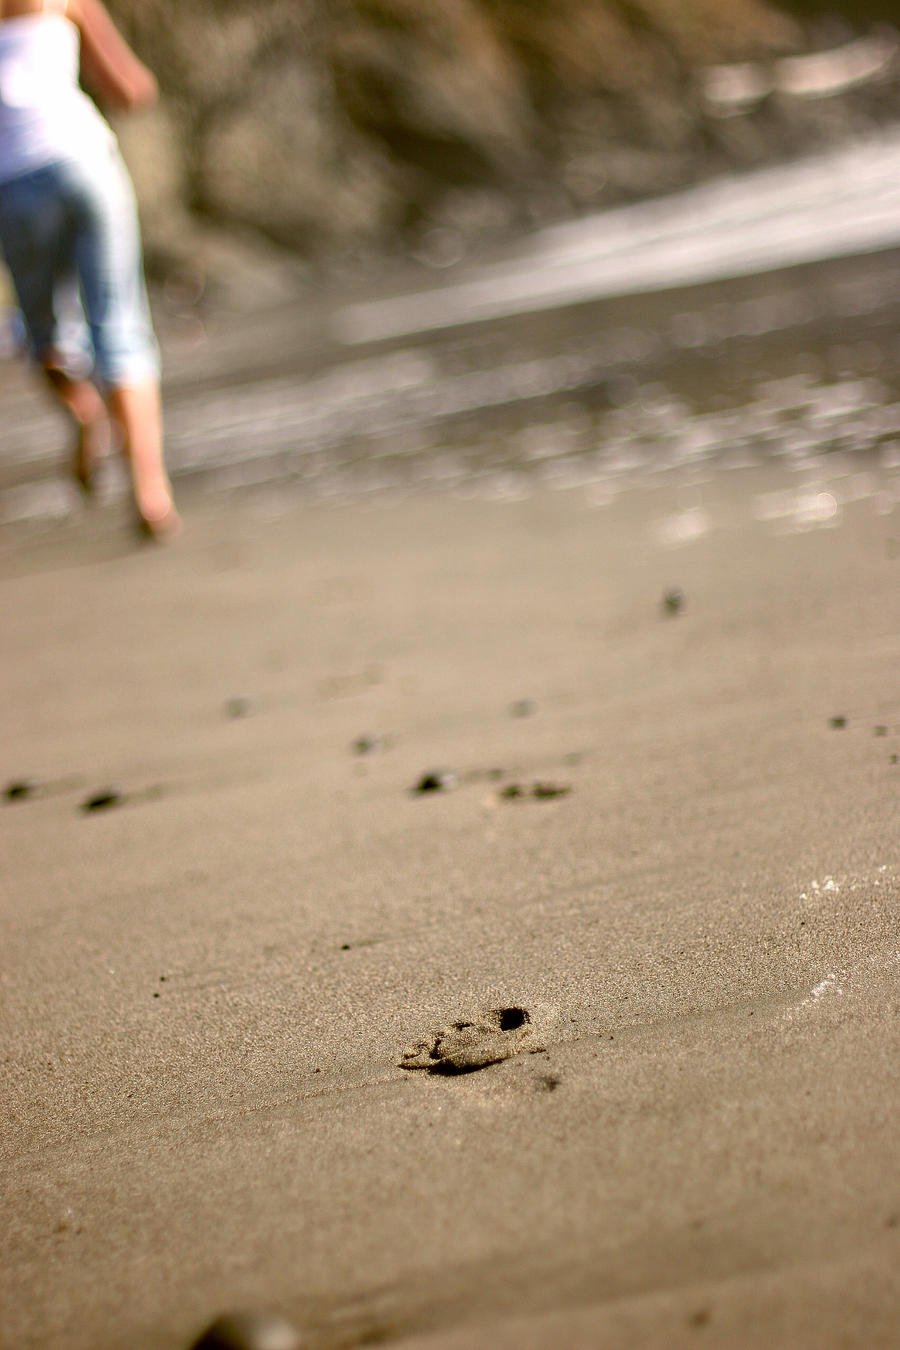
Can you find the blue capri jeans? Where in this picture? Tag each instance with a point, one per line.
(70, 237)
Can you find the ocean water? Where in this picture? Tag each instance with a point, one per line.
(750, 321)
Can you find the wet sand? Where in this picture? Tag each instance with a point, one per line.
(209, 986)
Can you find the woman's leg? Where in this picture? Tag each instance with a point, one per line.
(84, 403)
(35, 232)
(137, 413)
(110, 269)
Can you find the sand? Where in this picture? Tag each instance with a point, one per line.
(209, 987)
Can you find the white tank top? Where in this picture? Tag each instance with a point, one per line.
(44, 115)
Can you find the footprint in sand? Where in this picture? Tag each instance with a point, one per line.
(491, 1036)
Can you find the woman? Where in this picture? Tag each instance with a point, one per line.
(70, 236)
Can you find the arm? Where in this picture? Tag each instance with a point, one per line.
(110, 67)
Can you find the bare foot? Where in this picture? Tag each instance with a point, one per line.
(85, 406)
(160, 527)
(91, 446)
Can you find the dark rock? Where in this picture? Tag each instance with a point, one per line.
(249, 1331)
(540, 791)
(103, 800)
(437, 780)
(21, 790)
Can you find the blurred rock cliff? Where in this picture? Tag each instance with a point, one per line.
(347, 129)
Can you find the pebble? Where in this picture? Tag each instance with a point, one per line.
(249, 1331)
(366, 745)
(673, 601)
(437, 780)
(540, 791)
(238, 707)
(544, 791)
(21, 790)
(523, 707)
(103, 800)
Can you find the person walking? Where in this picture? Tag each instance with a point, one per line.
(70, 236)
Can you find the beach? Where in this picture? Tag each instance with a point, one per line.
(663, 725)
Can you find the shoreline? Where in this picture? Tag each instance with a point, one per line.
(269, 397)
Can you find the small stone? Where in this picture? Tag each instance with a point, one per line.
(249, 1331)
(103, 800)
(523, 707)
(437, 780)
(837, 723)
(366, 745)
(21, 790)
(238, 707)
(673, 601)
